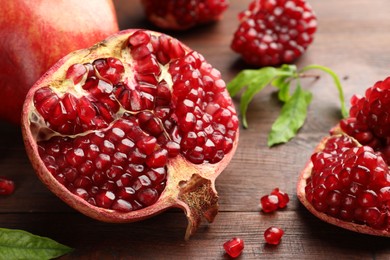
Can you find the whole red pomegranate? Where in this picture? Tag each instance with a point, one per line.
(347, 180)
(183, 14)
(35, 34)
(130, 127)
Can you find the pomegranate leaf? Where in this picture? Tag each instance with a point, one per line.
(244, 78)
(336, 80)
(291, 118)
(253, 81)
(19, 244)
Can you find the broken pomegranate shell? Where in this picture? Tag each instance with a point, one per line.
(347, 180)
(130, 127)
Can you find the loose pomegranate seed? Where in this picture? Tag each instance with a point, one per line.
(7, 186)
(273, 235)
(234, 247)
(277, 199)
(269, 203)
(283, 197)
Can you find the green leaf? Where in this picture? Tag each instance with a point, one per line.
(295, 106)
(257, 83)
(242, 79)
(336, 80)
(291, 118)
(254, 81)
(283, 84)
(19, 244)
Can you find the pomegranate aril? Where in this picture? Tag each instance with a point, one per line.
(83, 182)
(110, 69)
(82, 193)
(70, 174)
(105, 199)
(76, 73)
(86, 168)
(86, 110)
(157, 175)
(70, 105)
(122, 205)
(273, 235)
(126, 193)
(157, 159)
(75, 157)
(103, 162)
(234, 247)
(7, 186)
(173, 148)
(269, 203)
(139, 38)
(45, 101)
(154, 127)
(283, 197)
(147, 196)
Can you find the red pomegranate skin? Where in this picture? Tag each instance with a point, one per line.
(35, 34)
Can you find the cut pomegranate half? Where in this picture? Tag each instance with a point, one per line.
(130, 127)
(347, 180)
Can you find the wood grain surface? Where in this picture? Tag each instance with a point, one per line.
(353, 39)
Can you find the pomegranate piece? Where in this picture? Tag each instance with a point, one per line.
(274, 32)
(368, 122)
(62, 34)
(7, 186)
(182, 15)
(274, 201)
(347, 180)
(273, 235)
(121, 133)
(234, 247)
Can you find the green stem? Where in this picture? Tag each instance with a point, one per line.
(344, 111)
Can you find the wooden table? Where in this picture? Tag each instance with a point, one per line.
(353, 38)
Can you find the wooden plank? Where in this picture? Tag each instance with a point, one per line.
(162, 237)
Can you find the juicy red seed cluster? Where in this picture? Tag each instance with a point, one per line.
(234, 247)
(369, 121)
(273, 235)
(352, 184)
(274, 32)
(274, 201)
(121, 168)
(111, 134)
(68, 114)
(206, 121)
(174, 14)
(7, 186)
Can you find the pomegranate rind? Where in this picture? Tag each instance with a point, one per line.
(23, 62)
(184, 177)
(301, 194)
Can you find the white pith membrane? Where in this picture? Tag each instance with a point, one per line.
(353, 225)
(187, 185)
